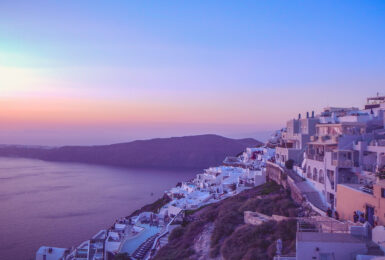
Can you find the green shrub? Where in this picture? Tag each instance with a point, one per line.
(153, 207)
(176, 234)
(258, 242)
(270, 187)
(289, 164)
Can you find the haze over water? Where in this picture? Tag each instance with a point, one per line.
(64, 204)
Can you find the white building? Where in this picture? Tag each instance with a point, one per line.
(348, 147)
(113, 242)
(293, 142)
(51, 253)
(333, 240)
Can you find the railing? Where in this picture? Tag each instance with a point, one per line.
(313, 138)
(367, 189)
(153, 247)
(330, 180)
(343, 163)
(312, 225)
(316, 157)
(368, 167)
(378, 143)
(286, 145)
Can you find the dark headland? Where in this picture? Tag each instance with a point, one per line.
(200, 151)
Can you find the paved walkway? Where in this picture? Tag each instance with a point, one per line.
(294, 176)
(311, 194)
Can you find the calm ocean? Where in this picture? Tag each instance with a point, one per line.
(64, 204)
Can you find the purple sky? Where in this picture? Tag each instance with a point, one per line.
(92, 73)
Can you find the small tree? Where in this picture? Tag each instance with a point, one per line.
(289, 164)
(381, 173)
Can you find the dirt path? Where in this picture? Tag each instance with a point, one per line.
(202, 244)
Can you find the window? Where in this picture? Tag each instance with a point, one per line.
(382, 192)
(315, 175)
(321, 176)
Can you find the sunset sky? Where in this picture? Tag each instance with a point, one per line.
(98, 72)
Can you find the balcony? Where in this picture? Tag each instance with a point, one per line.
(367, 189)
(369, 167)
(286, 145)
(344, 158)
(330, 177)
(379, 142)
(343, 163)
(313, 138)
(317, 157)
(322, 224)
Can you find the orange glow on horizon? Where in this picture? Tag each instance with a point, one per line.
(63, 111)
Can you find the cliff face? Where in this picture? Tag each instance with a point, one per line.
(199, 151)
(218, 231)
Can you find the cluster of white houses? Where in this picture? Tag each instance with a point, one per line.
(341, 146)
(340, 154)
(141, 236)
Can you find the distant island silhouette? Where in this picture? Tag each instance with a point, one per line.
(200, 151)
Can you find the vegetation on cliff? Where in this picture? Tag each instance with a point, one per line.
(231, 237)
(258, 242)
(153, 207)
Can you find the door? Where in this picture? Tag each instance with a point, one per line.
(370, 215)
(331, 200)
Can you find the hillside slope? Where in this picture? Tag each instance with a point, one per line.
(218, 231)
(177, 152)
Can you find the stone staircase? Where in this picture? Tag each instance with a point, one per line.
(163, 241)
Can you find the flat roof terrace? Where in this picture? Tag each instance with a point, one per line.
(329, 237)
(358, 187)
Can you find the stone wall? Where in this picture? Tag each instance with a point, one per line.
(277, 174)
(295, 193)
(255, 218)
